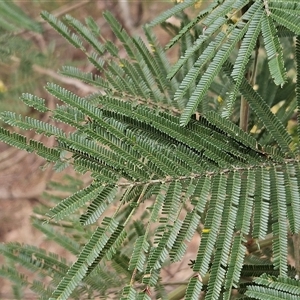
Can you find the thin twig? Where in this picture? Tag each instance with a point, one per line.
(297, 254)
(66, 9)
(244, 114)
(169, 179)
(70, 81)
(245, 108)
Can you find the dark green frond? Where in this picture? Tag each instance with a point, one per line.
(34, 101)
(235, 262)
(42, 290)
(93, 26)
(274, 51)
(20, 141)
(34, 259)
(279, 224)
(261, 204)
(29, 123)
(231, 129)
(129, 293)
(172, 204)
(189, 226)
(235, 265)
(49, 154)
(210, 73)
(86, 34)
(120, 33)
(96, 61)
(77, 200)
(61, 28)
(286, 19)
(271, 122)
(161, 58)
(152, 64)
(169, 13)
(66, 242)
(195, 71)
(248, 44)
(292, 188)
(214, 147)
(194, 288)
(14, 139)
(196, 46)
(247, 203)
(85, 77)
(158, 204)
(94, 249)
(98, 205)
(219, 11)
(274, 288)
(189, 26)
(138, 257)
(224, 243)
(211, 226)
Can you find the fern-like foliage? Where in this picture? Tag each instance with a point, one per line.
(279, 287)
(224, 26)
(139, 140)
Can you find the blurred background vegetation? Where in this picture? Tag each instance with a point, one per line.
(31, 52)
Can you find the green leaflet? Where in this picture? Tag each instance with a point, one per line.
(61, 28)
(95, 248)
(274, 52)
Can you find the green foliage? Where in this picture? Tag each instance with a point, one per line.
(226, 25)
(159, 136)
(270, 286)
(16, 55)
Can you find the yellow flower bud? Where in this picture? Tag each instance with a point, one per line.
(3, 87)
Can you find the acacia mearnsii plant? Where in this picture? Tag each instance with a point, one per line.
(206, 147)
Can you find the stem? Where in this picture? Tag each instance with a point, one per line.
(296, 253)
(129, 219)
(244, 111)
(58, 12)
(261, 244)
(251, 76)
(179, 292)
(244, 114)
